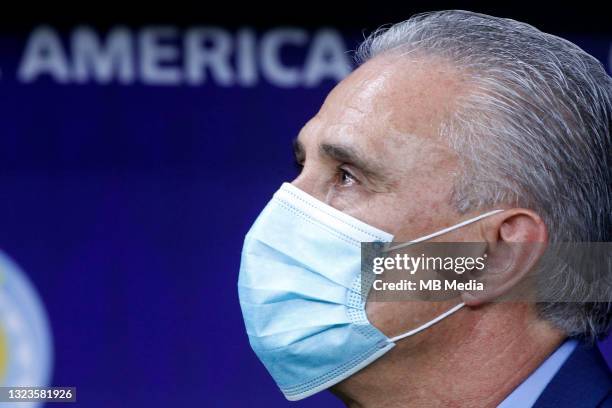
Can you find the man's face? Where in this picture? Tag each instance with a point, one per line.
(374, 152)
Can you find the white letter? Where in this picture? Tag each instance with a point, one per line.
(377, 262)
(327, 58)
(44, 55)
(271, 65)
(245, 57)
(216, 56)
(153, 54)
(416, 264)
(90, 59)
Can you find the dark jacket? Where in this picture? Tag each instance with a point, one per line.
(583, 381)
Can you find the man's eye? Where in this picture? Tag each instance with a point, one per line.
(346, 178)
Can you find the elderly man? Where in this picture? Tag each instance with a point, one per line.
(452, 119)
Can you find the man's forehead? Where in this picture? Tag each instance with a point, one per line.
(365, 92)
(386, 102)
(353, 111)
(410, 95)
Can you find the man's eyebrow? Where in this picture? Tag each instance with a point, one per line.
(349, 155)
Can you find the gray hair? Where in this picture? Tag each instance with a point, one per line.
(534, 130)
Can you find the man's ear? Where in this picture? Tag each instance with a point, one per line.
(516, 240)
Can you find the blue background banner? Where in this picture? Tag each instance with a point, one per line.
(129, 176)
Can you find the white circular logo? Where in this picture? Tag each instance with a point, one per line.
(25, 340)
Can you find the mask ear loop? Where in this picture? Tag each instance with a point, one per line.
(425, 238)
(443, 231)
(428, 324)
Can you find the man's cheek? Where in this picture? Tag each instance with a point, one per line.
(345, 199)
(375, 213)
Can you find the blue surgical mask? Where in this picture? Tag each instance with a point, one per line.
(301, 296)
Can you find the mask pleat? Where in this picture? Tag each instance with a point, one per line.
(272, 322)
(280, 272)
(309, 245)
